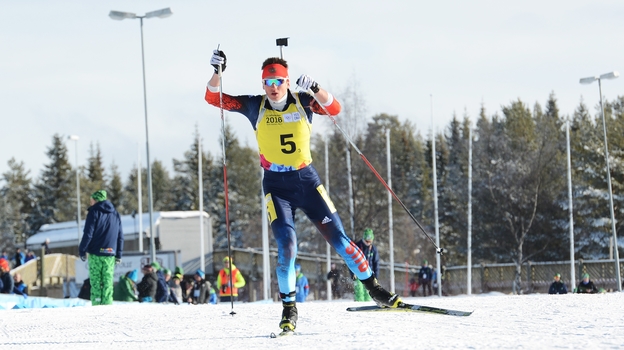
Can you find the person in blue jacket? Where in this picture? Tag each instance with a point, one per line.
(302, 288)
(18, 259)
(103, 241)
(557, 287)
(372, 256)
(19, 287)
(162, 289)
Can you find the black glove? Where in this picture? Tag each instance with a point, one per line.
(117, 261)
(218, 58)
(83, 257)
(223, 288)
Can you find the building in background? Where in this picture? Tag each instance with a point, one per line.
(173, 231)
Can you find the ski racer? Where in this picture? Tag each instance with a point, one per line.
(282, 121)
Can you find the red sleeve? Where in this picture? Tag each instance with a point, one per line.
(229, 102)
(333, 109)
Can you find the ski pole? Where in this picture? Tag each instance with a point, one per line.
(372, 168)
(225, 184)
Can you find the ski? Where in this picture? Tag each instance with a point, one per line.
(284, 333)
(403, 307)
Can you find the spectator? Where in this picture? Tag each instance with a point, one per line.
(413, 285)
(334, 276)
(424, 278)
(162, 289)
(4, 255)
(85, 290)
(434, 279)
(45, 247)
(586, 286)
(30, 256)
(6, 280)
(227, 292)
(187, 290)
(372, 257)
(147, 286)
(19, 287)
(201, 288)
(103, 241)
(557, 287)
(302, 288)
(125, 290)
(179, 271)
(212, 295)
(18, 259)
(175, 289)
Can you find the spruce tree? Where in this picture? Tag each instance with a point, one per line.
(115, 191)
(161, 187)
(55, 193)
(16, 196)
(96, 174)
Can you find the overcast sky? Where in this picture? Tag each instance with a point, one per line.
(67, 68)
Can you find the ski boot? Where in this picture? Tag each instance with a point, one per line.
(289, 316)
(382, 297)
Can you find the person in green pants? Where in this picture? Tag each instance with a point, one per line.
(103, 241)
(372, 257)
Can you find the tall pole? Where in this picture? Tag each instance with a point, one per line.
(435, 201)
(266, 264)
(200, 181)
(390, 231)
(615, 245)
(469, 244)
(149, 166)
(140, 199)
(328, 247)
(570, 208)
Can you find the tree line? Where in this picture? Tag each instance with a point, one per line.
(519, 185)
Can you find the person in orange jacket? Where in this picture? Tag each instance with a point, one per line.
(226, 292)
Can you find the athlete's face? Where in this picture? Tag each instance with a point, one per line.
(275, 87)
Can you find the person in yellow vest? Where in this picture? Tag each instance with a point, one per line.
(282, 121)
(226, 291)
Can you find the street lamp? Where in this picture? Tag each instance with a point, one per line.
(76, 138)
(163, 13)
(589, 80)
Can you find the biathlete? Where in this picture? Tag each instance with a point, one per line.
(282, 121)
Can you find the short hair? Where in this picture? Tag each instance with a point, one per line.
(274, 60)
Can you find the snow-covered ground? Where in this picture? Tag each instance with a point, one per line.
(499, 321)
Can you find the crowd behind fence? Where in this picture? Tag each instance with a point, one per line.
(536, 277)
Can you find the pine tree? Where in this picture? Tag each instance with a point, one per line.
(54, 191)
(115, 191)
(16, 202)
(161, 187)
(96, 176)
(130, 201)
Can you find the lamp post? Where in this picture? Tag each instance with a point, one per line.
(163, 13)
(75, 138)
(589, 80)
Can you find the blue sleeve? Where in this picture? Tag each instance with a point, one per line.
(247, 105)
(375, 266)
(120, 240)
(88, 232)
